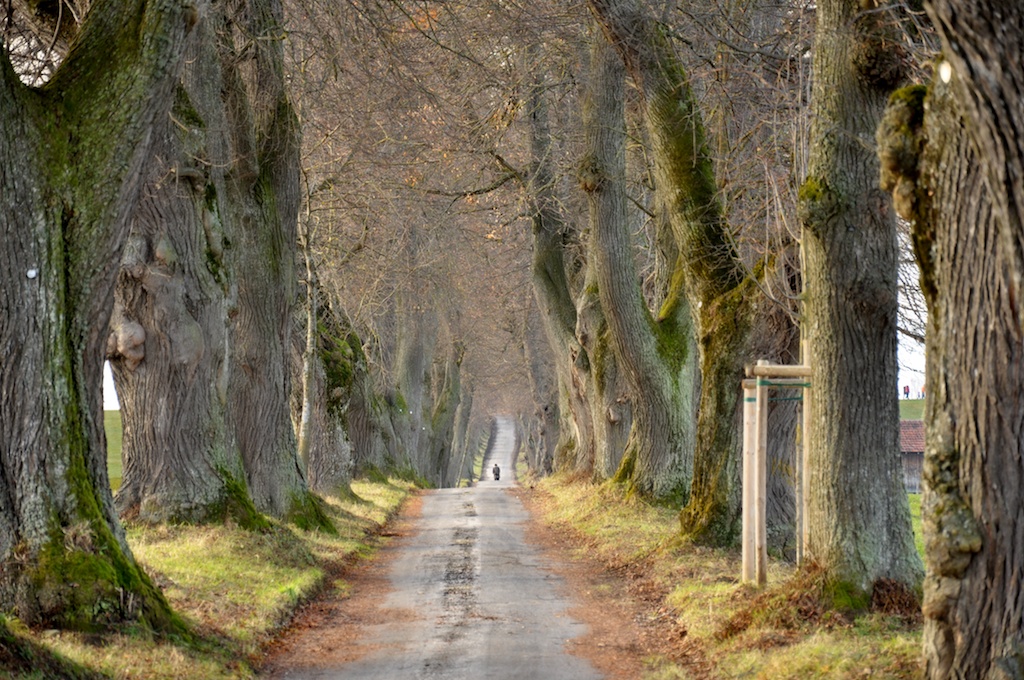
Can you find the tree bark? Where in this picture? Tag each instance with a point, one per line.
(366, 421)
(263, 195)
(71, 163)
(721, 301)
(414, 356)
(657, 461)
(539, 356)
(303, 431)
(952, 159)
(858, 518)
(447, 389)
(168, 344)
(575, 449)
(326, 376)
(609, 395)
(461, 440)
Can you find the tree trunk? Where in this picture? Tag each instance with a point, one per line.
(366, 421)
(445, 413)
(169, 332)
(858, 518)
(777, 338)
(658, 461)
(414, 357)
(447, 389)
(575, 449)
(263, 195)
(708, 275)
(953, 161)
(609, 395)
(539, 357)
(71, 163)
(309, 353)
(326, 376)
(461, 440)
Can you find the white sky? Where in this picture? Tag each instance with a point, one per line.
(109, 395)
(910, 357)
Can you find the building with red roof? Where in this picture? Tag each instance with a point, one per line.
(912, 451)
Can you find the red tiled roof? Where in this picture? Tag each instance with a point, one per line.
(912, 436)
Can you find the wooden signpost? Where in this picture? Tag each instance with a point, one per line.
(760, 378)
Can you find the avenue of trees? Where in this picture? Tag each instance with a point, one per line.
(317, 239)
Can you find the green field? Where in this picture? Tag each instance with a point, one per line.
(911, 409)
(112, 424)
(915, 521)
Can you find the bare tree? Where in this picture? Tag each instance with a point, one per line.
(858, 519)
(72, 154)
(169, 333)
(653, 351)
(205, 304)
(953, 163)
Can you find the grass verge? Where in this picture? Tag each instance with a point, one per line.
(233, 587)
(708, 624)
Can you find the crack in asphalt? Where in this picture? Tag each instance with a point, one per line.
(458, 596)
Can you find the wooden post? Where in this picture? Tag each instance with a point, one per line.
(749, 446)
(798, 470)
(761, 486)
(755, 462)
(805, 477)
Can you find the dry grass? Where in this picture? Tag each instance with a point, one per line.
(796, 627)
(234, 588)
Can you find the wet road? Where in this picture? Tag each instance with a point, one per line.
(486, 605)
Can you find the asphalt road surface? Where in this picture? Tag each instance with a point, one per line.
(488, 606)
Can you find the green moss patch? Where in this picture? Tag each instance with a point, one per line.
(308, 513)
(238, 506)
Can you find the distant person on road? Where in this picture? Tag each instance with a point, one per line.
(496, 471)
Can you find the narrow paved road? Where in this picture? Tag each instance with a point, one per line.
(485, 604)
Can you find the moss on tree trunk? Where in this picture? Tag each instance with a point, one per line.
(858, 520)
(575, 448)
(72, 155)
(710, 274)
(947, 154)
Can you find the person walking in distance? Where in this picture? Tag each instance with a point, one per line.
(496, 471)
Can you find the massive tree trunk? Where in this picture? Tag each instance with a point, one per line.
(462, 461)
(446, 390)
(954, 163)
(325, 374)
(721, 299)
(169, 331)
(366, 421)
(657, 462)
(263, 195)
(858, 518)
(609, 395)
(204, 314)
(71, 162)
(414, 356)
(777, 339)
(575, 449)
(539, 356)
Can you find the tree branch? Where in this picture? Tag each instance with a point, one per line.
(493, 186)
